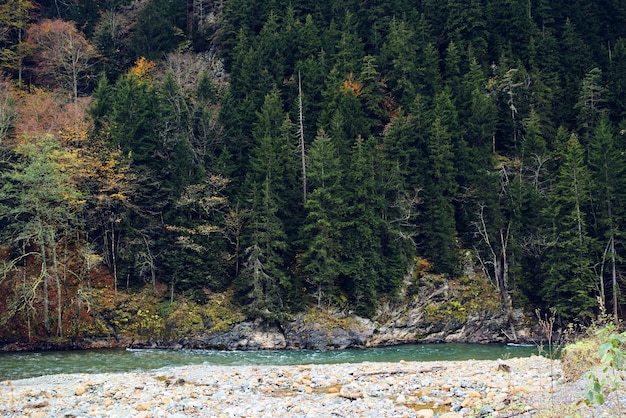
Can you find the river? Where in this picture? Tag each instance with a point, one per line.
(32, 364)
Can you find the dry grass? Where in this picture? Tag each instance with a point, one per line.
(579, 358)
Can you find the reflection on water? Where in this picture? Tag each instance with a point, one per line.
(21, 365)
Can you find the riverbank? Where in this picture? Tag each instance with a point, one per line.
(401, 389)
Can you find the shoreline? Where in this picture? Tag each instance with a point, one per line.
(400, 389)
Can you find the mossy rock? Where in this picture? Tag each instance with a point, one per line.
(578, 358)
(328, 321)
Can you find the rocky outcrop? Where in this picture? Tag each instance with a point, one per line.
(243, 336)
(302, 332)
(438, 311)
(432, 309)
(356, 332)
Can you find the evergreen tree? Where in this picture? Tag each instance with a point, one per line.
(607, 165)
(511, 27)
(466, 27)
(264, 281)
(568, 279)
(575, 62)
(438, 232)
(360, 232)
(591, 100)
(399, 61)
(321, 258)
(616, 94)
(159, 30)
(349, 46)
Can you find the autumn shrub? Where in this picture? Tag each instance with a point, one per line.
(579, 357)
(136, 316)
(185, 318)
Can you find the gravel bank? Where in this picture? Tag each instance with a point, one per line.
(404, 389)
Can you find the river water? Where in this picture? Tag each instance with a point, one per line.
(31, 364)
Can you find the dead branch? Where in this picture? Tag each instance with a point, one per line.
(400, 371)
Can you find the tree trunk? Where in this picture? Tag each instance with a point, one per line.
(57, 281)
(614, 280)
(44, 276)
(302, 148)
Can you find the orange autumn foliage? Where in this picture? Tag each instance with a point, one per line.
(352, 86)
(143, 68)
(43, 113)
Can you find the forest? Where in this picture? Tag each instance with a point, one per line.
(298, 153)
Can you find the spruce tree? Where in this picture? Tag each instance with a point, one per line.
(568, 279)
(607, 165)
(322, 255)
(438, 232)
(360, 231)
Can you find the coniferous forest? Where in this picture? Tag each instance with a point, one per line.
(298, 153)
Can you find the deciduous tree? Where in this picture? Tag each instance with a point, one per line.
(63, 55)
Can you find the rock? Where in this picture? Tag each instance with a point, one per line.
(301, 334)
(450, 415)
(351, 392)
(468, 402)
(39, 404)
(80, 390)
(503, 367)
(474, 394)
(486, 410)
(142, 407)
(364, 389)
(245, 336)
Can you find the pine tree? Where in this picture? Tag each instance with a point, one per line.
(616, 80)
(160, 29)
(263, 282)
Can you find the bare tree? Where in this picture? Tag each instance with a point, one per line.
(64, 57)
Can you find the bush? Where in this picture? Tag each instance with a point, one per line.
(578, 358)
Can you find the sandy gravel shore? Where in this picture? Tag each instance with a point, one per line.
(403, 389)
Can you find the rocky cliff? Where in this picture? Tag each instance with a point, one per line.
(431, 309)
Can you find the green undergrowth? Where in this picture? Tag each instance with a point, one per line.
(327, 320)
(147, 316)
(464, 297)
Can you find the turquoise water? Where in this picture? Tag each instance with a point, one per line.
(31, 364)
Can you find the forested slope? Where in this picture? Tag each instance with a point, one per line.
(297, 153)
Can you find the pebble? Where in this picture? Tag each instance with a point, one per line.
(405, 389)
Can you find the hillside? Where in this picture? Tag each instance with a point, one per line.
(284, 155)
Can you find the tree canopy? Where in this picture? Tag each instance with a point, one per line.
(483, 135)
